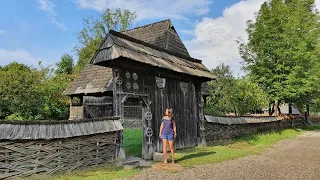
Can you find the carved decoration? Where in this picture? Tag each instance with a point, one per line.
(119, 80)
(184, 86)
(161, 82)
(201, 117)
(135, 76)
(135, 86)
(127, 75)
(128, 85)
(148, 116)
(149, 132)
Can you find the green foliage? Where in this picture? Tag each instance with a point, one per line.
(15, 116)
(21, 91)
(248, 97)
(220, 101)
(282, 51)
(65, 66)
(229, 94)
(95, 30)
(28, 93)
(56, 105)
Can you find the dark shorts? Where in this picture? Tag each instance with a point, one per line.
(168, 137)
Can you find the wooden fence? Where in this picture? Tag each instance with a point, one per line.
(218, 129)
(33, 148)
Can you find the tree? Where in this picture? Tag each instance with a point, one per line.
(219, 101)
(94, 32)
(21, 91)
(283, 49)
(229, 94)
(65, 66)
(248, 97)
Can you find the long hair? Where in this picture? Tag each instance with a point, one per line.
(169, 114)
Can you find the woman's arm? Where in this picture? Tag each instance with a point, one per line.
(174, 129)
(161, 127)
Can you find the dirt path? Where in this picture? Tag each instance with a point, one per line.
(298, 158)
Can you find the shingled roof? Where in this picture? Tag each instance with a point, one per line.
(92, 79)
(161, 34)
(95, 78)
(118, 45)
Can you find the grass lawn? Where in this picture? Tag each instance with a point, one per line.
(133, 142)
(237, 148)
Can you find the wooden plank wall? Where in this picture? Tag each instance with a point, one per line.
(184, 102)
(95, 107)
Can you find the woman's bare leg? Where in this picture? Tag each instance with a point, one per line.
(165, 145)
(172, 151)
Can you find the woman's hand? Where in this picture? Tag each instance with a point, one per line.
(175, 136)
(160, 136)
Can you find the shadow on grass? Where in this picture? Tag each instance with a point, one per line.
(313, 127)
(195, 155)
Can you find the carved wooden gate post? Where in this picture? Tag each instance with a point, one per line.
(118, 108)
(148, 133)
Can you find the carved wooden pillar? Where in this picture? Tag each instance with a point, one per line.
(118, 108)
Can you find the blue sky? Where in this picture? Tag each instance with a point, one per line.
(34, 30)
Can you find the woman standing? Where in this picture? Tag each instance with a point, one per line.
(168, 132)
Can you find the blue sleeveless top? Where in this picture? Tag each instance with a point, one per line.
(167, 127)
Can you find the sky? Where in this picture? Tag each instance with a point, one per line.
(43, 30)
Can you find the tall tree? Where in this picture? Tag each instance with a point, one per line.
(219, 102)
(65, 66)
(283, 49)
(21, 91)
(95, 30)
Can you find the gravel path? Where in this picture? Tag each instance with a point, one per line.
(298, 158)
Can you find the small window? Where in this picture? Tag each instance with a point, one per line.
(76, 101)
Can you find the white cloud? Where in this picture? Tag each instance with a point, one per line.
(2, 32)
(19, 55)
(58, 24)
(149, 9)
(46, 5)
(215, 38)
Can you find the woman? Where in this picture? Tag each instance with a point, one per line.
(168, 132)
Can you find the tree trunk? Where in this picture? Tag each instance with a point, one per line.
(290, 109)
(307, 113)
(269, 109)
(276, 108)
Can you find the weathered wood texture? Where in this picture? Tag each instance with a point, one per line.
(181, 96)
(54, 130)
(218, 129)
(95, 107)
(27, 157)
(76, 112)
(156, 94)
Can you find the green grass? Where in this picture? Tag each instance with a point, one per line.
(253, 144)
(239, 147)
(133, 142)
(94, 173)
